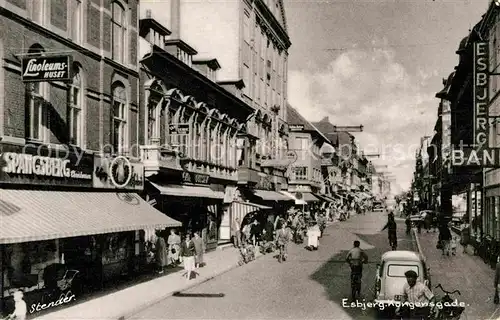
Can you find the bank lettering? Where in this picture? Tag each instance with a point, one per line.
(27, 164)
(63, 299)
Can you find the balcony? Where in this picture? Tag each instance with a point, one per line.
(155, 158)
(247, 175)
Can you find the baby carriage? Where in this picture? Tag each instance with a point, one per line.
(247, 254)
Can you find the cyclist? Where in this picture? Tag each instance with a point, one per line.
(356, 257)
(282, 237)
(418, 296)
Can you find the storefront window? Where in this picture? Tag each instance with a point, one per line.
(23, 264)
(116, 248)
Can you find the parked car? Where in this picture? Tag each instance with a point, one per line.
(378, 206)
(390, 276)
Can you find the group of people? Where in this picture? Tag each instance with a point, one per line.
(188, 250)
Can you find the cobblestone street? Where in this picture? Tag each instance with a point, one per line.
(310, 285)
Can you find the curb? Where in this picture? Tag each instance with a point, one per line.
(145, 305)
(417, 240)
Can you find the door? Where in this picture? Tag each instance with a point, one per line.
(225, 225)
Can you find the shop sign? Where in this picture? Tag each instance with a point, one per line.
(481, 155)
(296, 127)
(118, 173)
(195, 178)
(178, 128)
(40, 69)
(265, 183)
(42, 165)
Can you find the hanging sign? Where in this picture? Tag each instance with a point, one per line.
(41, 69)
(480, 155)
(296, 127)
(179, 128)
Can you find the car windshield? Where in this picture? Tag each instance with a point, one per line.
(398, 270)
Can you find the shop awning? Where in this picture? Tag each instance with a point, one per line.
(253, 205)
(271, 195)
(35, 215)
(309, 197)
(188, 191)
(324, 197)
(292, 197)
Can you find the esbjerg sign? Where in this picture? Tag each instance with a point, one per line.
(53, 68)
(480, 155)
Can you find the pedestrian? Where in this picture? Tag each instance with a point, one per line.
(237, 233)
(445, 237)
(391, 227)
(199, 247)
(245, 234)
(188, 253)
(496, 282)
(254, 233)
(174, 242)
(20, 307)
(161, 252)
(418, 296)
(313, 236)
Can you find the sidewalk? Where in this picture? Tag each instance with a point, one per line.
(124, 303)
(464, 272)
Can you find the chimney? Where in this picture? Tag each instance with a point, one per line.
(176, 19)
(148, 14)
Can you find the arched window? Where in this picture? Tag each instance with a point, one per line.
(76, 113)
(119, 22)
(37, 113)
(120, 111)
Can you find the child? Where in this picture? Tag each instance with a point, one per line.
(453, 245)
(21, 309)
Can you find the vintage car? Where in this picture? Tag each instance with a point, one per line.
(390, 276)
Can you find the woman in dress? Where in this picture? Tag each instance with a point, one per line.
(199, 247)
(187, 255)
(174, 242)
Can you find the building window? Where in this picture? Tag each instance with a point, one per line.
(39, 11)
(38, 112)
(76, 108)
(76, 23)
(246, 79)
(119, 22)
(300, 173)
(120, 109)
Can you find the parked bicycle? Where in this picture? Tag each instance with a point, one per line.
(448, 311)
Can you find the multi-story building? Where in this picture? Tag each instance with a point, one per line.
(69, 115)
(197, 148)
(250, 39)
(305, 178)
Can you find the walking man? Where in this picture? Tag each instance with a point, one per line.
(237, 233)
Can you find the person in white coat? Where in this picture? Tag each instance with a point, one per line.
(313, 233)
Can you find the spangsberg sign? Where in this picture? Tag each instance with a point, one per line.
(54, 68)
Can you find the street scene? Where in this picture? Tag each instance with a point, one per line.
(249, 159)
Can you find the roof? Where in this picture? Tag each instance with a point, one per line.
(294, 118)
(328, 129)
(182, 45)
(401, 255)
(211, 63)
(150, 23)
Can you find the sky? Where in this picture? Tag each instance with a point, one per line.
(378, 63)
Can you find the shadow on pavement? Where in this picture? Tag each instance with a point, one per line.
(334, 275)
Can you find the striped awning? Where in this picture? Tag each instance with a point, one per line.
(240, 209)
(324, 197)
(271, 195)
(188, 191)
(309, 197)
(35, 215)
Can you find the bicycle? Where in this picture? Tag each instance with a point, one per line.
(448, 311)
(281, 254)
(356, 277)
